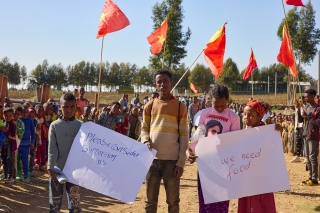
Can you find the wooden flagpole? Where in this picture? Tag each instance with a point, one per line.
(164, 51)
(186, 71)
(287, 26)
(99, 80)
(252, 84)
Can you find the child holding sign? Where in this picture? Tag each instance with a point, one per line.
(229, 121)
(61, 135)
(252, 116)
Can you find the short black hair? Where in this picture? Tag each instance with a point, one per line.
(163, 72)
(310, 92)
(17, 108)
(7, 109)
(67, 97)
(219, 91)
(115, 102)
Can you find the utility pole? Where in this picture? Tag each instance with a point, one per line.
(268, 84)
(275, 84)
(319, 73)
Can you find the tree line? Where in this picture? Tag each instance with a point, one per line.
(305, 38)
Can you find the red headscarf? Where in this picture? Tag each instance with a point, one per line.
(256, 105)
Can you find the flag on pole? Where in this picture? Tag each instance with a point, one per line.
(285, 55)
(251, 66)
(214, 51)
(112, 19)
(295, 3)
(193, 88)
(158, 37)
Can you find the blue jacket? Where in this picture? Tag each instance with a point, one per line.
(29, 132)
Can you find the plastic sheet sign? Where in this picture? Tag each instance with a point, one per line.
(241, 163)
(107, 162)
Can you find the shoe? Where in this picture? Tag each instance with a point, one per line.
(305, 161)
(18, 178)
(43, 168)
(31, 174)
(9, 180)
(36, 167)
(295, 160)
(292, 154)
(306, 181)
(313, 183)
(26, 180)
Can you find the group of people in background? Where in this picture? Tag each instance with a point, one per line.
(33, 136)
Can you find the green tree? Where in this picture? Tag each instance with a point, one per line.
(23, 74)
(230, 74)
(304, 35)
(176, 39)
(201, 77)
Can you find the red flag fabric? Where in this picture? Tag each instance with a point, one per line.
(193, 88)
(157, 38)
(285, 55)
(112, 19)
(251, 66)
(214, 51)
(295, 2)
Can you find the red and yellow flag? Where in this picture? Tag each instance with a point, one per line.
(193, 88)
(214, 51)
(158, 37)
(112, 19)
(295, 2)
(251, 66)
(285, 55)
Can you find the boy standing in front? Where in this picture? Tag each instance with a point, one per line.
(61, 135)
(165, 129)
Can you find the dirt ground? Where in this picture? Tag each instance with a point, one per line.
(33, 197)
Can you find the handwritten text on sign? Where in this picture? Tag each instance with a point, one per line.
(233, 165)
(107, 162)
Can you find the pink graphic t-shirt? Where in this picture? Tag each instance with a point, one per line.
(229, 120)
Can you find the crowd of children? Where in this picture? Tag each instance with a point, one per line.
(24, 129)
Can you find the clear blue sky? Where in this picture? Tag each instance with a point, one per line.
(65, 31)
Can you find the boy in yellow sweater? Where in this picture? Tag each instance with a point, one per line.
(165, 129)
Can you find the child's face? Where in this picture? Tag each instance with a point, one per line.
(8, 116)
(39, 111)
(31, 114)
(17, 115)
(24, 113)
(219, 104)
(68, 108)
(87, 111)
(251, 117)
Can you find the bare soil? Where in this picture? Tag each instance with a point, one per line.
(33, 197)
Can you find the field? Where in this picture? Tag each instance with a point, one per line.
(33, 197)
(108, 97)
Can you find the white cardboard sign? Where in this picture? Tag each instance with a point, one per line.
(241, 163)
(107, 162)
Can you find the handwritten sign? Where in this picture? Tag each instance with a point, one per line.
(241, 163)
(107, 162)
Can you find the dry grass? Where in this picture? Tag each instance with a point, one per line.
(108, 97)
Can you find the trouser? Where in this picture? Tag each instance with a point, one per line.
(221, 207)
(41, 154)
(31, 161)
(190, 128)
(7, 160)
(56, 194)
(298, 141)
(162, 169)
(312, 160)
(23, 154)
(291, 142)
